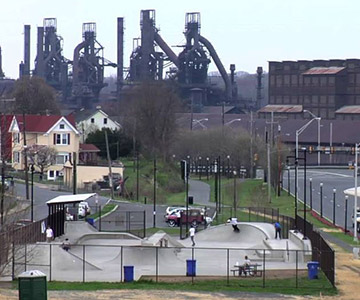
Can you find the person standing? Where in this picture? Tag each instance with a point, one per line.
(49, 234)
(277, 230)
(192, 235)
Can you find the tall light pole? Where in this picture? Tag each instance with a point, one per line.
(207, 168)
(356, 186)
(321, 199)
(334, 205)
(298, 132)
(234, 193)
(319, 120)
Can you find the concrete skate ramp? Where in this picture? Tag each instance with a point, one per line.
(250, 233)
(108, 238)
(76, 227)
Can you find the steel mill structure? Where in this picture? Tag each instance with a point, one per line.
(79, 80)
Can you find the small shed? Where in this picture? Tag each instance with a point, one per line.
(56, 206)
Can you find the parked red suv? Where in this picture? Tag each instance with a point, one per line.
(195, 217)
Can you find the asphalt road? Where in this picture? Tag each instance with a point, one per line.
(339, 179)
(42, 194)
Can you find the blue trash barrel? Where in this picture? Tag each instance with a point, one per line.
(313, 269)
(128, 273)
(190, 267)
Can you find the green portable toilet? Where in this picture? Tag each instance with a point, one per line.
(32, 285)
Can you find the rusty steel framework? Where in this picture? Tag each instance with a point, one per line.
(50, 64)
(191, 64)
(145, 61)
(88, 67)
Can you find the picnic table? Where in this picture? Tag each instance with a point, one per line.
(251, 269)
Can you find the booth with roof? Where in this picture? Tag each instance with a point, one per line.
(57, 210)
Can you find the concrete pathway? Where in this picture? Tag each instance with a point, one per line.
(201, 192)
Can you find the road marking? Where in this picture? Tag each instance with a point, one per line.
(330, 173)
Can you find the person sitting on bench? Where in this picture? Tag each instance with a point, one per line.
(245, 266)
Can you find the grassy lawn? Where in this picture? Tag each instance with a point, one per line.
(283, 286)
(169, 185)
(108, 207)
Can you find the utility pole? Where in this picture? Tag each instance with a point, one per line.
(109, 162)
(268, 167)
(154, 210)
(251, 147)
(74, 174)
(25, 159)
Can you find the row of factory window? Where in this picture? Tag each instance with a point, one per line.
(307, 99)
(296, 80)
(304, 67)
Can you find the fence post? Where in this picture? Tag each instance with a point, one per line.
(157, 263)
(192, 257)
(83, 263)
(228, 265)
(249, 213)
(99, 217)
(144, 235)
(121, 264)
(25, 255)
(296, 271)
(50, 261)
(264, 268)
(13, 261)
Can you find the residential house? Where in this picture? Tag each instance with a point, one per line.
(58, 132)
(91, 120)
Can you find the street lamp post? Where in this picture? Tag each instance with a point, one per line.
(319, 120)
(346, 208)
(207, 168)
(137, 176)
(321, 199)
(200, 167)
(334, 205)
(356, 193)
(234, 193)
(32, 192)
(154, 209)
(228, 166)
(288, 169)
(311, 193)
(298, 132)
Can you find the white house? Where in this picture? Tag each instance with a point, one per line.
(91, 120)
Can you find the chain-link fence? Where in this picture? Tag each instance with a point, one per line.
(86, 263)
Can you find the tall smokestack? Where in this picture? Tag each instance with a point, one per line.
(40, 64)
(2, 75)
(120, 53)
(259, 72)
(26, 50)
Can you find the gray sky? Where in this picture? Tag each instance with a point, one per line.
(248, 33)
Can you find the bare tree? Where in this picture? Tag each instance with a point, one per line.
(151, 111)
(42, 156)
(34, 96)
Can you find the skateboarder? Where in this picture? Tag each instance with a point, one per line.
(277, 230)
(233, 222)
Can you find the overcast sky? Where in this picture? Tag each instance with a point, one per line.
(248, 33)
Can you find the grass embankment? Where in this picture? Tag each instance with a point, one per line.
(283, 286)
(107, 208)
(254, 193)
(169, 185)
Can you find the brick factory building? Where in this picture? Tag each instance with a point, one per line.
(328, 88)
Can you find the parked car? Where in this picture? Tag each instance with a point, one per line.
(194, 217)
(83, 209)
(6, 183)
